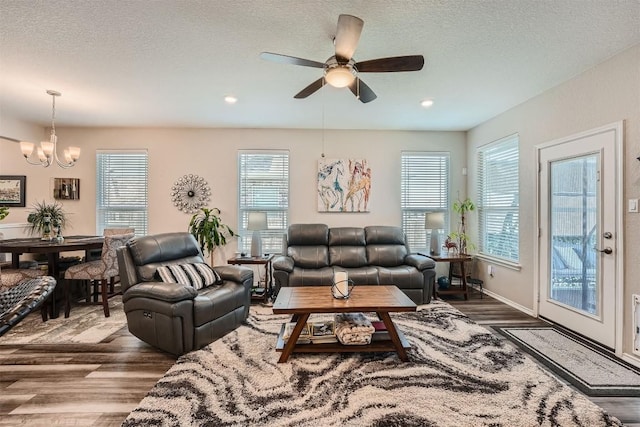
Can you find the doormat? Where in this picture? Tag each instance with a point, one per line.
(591, 369)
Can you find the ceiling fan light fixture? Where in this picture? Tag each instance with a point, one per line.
(340, 76)
(427, 103)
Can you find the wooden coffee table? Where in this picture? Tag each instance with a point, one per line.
(300, 302)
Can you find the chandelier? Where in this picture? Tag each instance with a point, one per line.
(48, 151)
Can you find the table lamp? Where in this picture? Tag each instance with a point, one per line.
(257, 222)
(434, 221)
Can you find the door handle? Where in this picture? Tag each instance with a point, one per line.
(606, 250)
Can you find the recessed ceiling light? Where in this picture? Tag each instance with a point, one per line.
(230, 99)
(427, 103)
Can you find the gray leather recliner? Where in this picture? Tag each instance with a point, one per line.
(173, 317)
(374, 255)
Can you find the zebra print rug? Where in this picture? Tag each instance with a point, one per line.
(459, 374)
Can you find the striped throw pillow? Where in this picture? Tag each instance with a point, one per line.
(198, 275)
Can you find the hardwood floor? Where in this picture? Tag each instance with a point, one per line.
(99, 384)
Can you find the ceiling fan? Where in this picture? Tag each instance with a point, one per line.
(341, 70)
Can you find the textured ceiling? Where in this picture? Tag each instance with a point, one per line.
(170, 63)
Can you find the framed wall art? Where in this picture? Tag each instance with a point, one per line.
(344, 185)
(66, 188)
(13, 190)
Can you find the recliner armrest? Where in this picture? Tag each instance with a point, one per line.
(420, 262)
(234, 273)
(169, 292)
(284, 263)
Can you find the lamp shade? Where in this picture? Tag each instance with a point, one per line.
(257, 221)
(434, 220)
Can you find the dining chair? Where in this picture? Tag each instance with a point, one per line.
(109, 232)
(99, 271)
(95, 254)
(112, 231)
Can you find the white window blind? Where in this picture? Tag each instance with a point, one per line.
(263, 178)
(498, 204)
(122, 190)
(424, 188)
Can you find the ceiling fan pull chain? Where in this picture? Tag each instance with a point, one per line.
(358, 87)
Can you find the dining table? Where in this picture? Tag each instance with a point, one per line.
(52, 249)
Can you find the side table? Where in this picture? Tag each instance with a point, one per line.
(452, 259)
(258, 294)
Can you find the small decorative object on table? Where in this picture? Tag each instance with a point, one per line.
(43, 216)
(341, 287)
(46, 227)
(450, 246)
(353, 328)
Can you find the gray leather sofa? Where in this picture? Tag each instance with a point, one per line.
(173, 317)
(375, 255)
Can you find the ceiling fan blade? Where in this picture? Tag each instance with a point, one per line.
(285, 59)
(312, 88)
(390, 65)
(347, 36)
(362, 91)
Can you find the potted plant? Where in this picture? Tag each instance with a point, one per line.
(4, 211)
(208, 229)
(462, 208)
(44, 217)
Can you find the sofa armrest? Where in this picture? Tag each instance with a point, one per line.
(284, 263)
(168, 292)
(234, 273)
(420, 262)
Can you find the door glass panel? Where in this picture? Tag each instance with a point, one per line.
(574, 233)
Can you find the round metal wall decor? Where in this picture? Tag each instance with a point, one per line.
(190, 192)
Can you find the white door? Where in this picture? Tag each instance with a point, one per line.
(578, 245)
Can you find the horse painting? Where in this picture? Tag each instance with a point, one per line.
(344, 185)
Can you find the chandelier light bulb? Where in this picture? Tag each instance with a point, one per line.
(47, 148)
(26, 148)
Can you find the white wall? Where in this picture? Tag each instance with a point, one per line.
(212, 154)
(605, 94)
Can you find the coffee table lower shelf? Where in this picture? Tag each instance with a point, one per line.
(375, 346)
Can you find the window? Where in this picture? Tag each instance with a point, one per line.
(424, 188)
(263, 178)
(498, 199)
(121, 188)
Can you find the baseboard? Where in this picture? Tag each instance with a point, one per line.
(509, 302)
(629, 358)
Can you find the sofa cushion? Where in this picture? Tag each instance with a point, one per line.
(197, 275)
(347, 256)
(316, 277)
(403, 276)
(308, 235)
(309, 256)
(346, 236)
(216, 301)
(384, 235)
(362, 275)
(386, 255)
